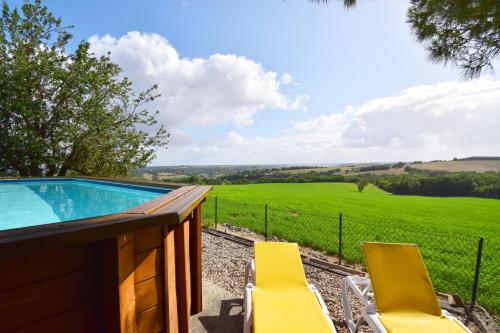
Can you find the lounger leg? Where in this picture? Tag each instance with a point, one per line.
(247, 276)
(247, 304)
(347, 306)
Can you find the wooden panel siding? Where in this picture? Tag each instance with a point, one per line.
(49, 284)
(137, 271)
(169, 281)
(148, 294)
(195, 260)
(151, 320)
(183, 275)
(149, 286)
(148, 265)
(147, 239)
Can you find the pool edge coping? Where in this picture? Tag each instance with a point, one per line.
(167, 209)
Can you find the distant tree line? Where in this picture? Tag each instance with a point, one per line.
(416, 182)
(375, 167)
(463, 184)
(478, 158)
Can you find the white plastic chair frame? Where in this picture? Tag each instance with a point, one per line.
(362, 290)
(247, 301)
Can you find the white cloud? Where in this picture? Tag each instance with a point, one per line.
(234, 138)
(426, 122)
(286, 78)
(224, 88)
(299, 103)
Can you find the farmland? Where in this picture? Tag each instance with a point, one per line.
(447, 229)
(471, 216)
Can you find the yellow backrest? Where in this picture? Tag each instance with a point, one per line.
(278, 265)
(399, 278)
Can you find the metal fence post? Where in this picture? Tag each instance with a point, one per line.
(476, 274)
(265, 222)
(340, 238)
(215, 212)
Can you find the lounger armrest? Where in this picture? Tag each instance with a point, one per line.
(319, 298)
(322, 304)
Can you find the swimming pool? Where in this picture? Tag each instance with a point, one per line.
(82, 254)
(26, 203)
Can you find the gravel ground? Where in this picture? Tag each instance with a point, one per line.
(224, 263)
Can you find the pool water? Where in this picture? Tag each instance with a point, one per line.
(34, 202)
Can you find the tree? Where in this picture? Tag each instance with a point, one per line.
(362, 183)
(64, 112)
(462, 33)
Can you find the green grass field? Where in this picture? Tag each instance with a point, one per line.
(446, 229)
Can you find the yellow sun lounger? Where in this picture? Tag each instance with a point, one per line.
(405, 301)
(277, 296)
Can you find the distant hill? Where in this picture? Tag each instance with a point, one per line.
(478, 158)
(468, 164)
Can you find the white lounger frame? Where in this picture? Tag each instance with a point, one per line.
(361, 288)
(247, 301)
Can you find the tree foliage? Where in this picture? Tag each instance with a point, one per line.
(466, 184)
(361, 184)
(462, 33)
(64, 111)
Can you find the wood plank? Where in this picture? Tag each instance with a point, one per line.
(148, 294)
(151, 320)
(133, 182)
(27, 269)
(195, 260)
(124, 239)
(148, 265)
(169, 281)
(127, 305)
(81, 319)
(183, 275)
(126, 261)
(110, 304)
(151, 206)
(184, 205)
(147, 239)
(32, 303)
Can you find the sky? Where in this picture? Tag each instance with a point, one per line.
(290, 82)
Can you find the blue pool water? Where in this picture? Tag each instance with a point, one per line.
(33, 202)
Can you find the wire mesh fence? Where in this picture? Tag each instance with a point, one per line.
(450, 258)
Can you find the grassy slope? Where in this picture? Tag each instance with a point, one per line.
(471, 216)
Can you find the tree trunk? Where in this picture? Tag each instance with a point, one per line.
(63, 171)
(35, 171)
(52, 170)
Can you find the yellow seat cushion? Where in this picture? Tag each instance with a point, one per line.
(413, 322)
(287, 311)
(399, 279)
(278, 265)
(404, 296)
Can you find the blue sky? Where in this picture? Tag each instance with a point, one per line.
(360, 82)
